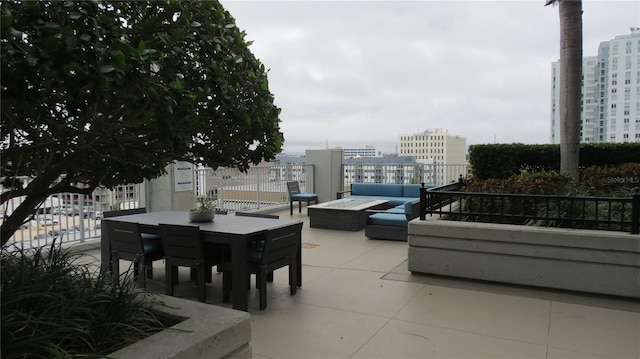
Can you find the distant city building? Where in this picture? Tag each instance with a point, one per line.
(610, 92)
(284, 159)
(381, 170)
(434, 145)
(366, 151)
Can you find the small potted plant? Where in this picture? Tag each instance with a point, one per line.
(205, 211)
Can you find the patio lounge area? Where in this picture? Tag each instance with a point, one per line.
(358, 300)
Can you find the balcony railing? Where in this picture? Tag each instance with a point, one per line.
(259, 187)
(71, 217)
(431, 173)
(68, 217)
(600, 213)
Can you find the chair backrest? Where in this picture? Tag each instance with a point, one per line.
(281, 243)
(123, 212)
(124, 237)
(259, 215)
(181, 241)
(293, 188)
(221, 211)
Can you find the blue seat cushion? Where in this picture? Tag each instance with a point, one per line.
(377, 189)
(397, 209)
(304, 196)
(388, 219)
(393, 201)
(254, 256)
(151, 243)
(411, 190)
(405, 208)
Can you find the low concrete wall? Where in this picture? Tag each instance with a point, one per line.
(207, 331)
(582, 260)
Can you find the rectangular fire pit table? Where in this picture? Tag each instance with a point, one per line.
(347, 214)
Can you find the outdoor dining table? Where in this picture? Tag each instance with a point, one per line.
(234, 231)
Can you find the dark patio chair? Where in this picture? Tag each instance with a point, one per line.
(280, 250)
(293, 188)
(258, 241)
(123, 212)
(258, 215)
(183, 246)
(127, 243)
(148, 239)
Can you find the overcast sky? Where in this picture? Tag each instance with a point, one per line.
(355, 73)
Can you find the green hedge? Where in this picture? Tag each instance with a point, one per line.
(504, 160)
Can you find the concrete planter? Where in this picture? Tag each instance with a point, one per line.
(205, 331)
(582, 260)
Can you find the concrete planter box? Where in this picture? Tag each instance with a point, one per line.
(582, 260)
(205, 331)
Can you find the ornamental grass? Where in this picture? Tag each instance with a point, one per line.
(53, 306)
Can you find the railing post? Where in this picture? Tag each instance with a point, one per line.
(423, 202)
(635, 211)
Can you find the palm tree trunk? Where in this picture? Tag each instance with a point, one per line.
(570, 85)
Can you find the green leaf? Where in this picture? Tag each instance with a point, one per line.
(6, 21)
(119, 59)
(106, 68)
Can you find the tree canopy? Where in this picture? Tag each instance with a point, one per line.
(111, 92)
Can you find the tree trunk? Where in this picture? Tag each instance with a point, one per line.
(570, 85)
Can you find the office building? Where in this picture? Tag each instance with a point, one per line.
(434, 145)
(610, 92)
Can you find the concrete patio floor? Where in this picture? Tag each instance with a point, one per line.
(359, 301)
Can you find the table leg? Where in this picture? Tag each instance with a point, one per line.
(299, 261)
(105, 251)
(239, 269)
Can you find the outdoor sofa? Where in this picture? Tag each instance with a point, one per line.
(395, 193)
(391, 224)
(403, 205)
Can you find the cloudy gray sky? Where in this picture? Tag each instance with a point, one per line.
(354, 73)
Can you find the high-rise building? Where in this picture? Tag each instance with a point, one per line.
(610, 92)
(434, 145)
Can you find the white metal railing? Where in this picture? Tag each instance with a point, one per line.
(259, 187)
(430, 173)
(71, 217)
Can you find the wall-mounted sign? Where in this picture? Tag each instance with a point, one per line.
(183, 173)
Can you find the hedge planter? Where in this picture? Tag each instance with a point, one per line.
(581, 260)
(203, 331)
